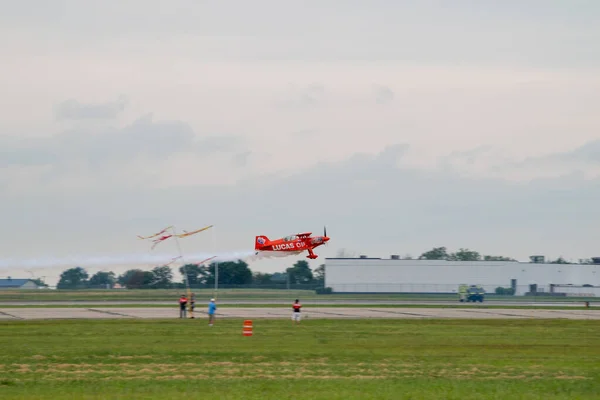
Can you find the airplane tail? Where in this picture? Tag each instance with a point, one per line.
(260, 241)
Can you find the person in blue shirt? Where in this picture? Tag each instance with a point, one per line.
(212, 308)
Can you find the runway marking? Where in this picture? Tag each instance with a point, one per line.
(279, 313)
(572, 312)
(10, 315)
(331, 313)
(404, 313)
(498, 313)
(112, 313)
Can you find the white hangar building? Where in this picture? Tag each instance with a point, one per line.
(395, 275)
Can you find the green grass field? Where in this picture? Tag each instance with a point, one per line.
(287, 306)
(319, 359)
(242, 294)
(173, 294)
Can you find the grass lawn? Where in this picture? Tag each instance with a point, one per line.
(223, 294)
(319, 359)
(244, 294)
(203, 305)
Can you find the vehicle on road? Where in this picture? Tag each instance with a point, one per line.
(468, 293)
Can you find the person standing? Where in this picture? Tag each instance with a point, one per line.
(182, 304)
(296, 314)
(212, 309)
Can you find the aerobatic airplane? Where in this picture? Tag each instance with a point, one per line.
(294, 244)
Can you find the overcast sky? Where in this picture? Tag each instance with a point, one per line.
(400, 125)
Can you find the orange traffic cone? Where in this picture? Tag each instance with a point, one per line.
(247, 329)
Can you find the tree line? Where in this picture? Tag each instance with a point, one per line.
(161, 277)
(441, 253)
(239, 273)
(462, 254)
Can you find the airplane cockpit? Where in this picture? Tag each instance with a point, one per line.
(290, 238)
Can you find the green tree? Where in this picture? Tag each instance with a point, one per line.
(300, 272)
(497, 258)
(196, 274)
(279, 277)
(261, 278)
(163, 277)
(437, 253)
(465, 255)
(39, 282)
(73, 278)
(319, 274)
(102, 279)
(441, 253)
(136, 279)
(230, 273)
(560, 260)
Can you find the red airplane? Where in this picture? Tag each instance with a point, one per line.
(295, 244)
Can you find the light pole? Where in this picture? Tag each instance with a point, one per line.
(216, 278)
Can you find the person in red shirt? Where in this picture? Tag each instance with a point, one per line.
(182, 304)
(296, 314)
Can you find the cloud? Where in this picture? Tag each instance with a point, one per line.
(584, 160)
(303, 133)
(493, 161)
(480, 159)
(383, 94)
(145, 153)
(371, 203)
(399, 199)
(301, 97)
(470, 156)
(421, 32)
(213, 144)
(144, 138)
(73, 109)
(587, 153)
(102, 181)
(240, 160)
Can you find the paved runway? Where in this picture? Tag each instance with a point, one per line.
(7, 314)
(320, 302)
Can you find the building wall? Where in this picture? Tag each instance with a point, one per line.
(438, 276)
(12, 284)
(579, 291)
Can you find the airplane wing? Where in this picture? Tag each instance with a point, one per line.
(304, 235)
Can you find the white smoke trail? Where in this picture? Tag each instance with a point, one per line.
(255, 256)
(136, 259)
